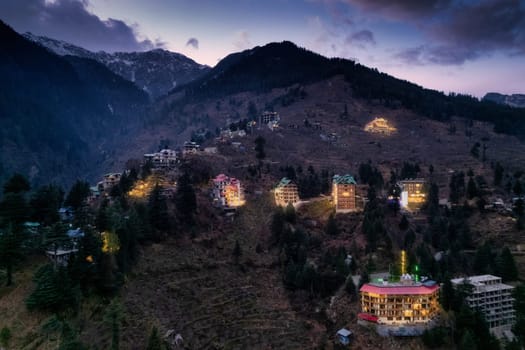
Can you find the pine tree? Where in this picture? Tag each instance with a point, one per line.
(498, 174)
(154, 342)
(158, 211)
(113, 318)
(350, 288)
(17, 184)
(472, 189)
(10, 252)
(403, 224)
(289, 213)
(277, 225)
(185, 200)
(237, 252)
(506, 266)
(77, 195)
(54, 290)
(259, 148)
(331, 228)
(45, 203)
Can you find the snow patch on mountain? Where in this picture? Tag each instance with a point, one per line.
(156, 71)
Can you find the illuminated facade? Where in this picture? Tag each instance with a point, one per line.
(413, 193)
(269, 117)
(493, 298)
(165, 158)
(190, 147)
(380, 126)
(108, 181)
(286, 192)
(227, 192)
(343, 193)
(403, 303)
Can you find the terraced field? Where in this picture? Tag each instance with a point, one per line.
(201, 294)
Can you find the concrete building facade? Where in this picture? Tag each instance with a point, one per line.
(493, 298)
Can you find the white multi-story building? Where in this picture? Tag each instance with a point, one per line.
(493, 298)
(227, 192)
(163, 159)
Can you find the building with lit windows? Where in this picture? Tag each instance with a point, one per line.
(343, 193)
(493, 298)
(286, 192)
(165, 158)
(267, 117)
(401, 303)
(227, 192)
(108, 181)
(413, 193)
(380, 126)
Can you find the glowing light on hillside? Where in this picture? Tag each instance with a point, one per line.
(380, 126)
(110, 242)
(142, 188)
(403, 262)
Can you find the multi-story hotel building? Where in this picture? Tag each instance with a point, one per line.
(493, 298)
(403, 303)
(227, 192)
(286, 192)
(343, 193)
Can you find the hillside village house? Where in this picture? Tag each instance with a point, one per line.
(286, 192)
(404, 303)
(413, 193)
(108, 181)
(343, 193)
(165, 158)
(380, 126)
(271, 119)
(227, 192)
(190, 147)
(493, 298)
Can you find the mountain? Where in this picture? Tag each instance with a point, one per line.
(60, 116)
(156, 71)
(514, 100)
(283, 64)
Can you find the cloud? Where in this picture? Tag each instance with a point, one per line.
(242, 40)
(454, 31)
(193, 42)
(400, 9)
(71, 21)
(361, 38)
(440, 55)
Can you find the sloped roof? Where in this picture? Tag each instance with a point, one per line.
(415, 289)
(284, 182)
(344, 179)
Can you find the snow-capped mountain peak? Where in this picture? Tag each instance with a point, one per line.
(156, 71)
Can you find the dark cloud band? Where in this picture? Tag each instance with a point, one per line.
(70, 20)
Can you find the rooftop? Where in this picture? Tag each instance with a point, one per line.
(284, 182)
(489, 282)
(344, 179)
(417, 180)
(414, 288)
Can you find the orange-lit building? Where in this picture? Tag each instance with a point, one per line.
(108, 181)
(403, 303)
(343, 193)
(286, 192)
(227, 192)
(165, 158)
(380, 126)
(413, 193)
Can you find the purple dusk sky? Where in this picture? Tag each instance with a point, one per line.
(462, 46)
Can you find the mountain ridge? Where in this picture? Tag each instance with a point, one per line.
(156, 71)
(514, 100)
(60, 115)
